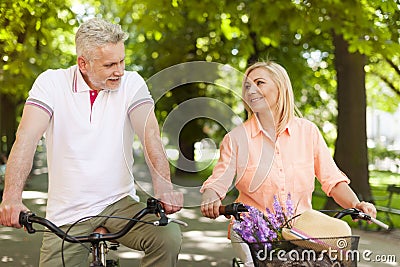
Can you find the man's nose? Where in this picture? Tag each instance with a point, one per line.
(119, 69)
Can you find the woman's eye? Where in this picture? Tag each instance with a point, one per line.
(259, 82)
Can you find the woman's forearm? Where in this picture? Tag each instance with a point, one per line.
(344, 195)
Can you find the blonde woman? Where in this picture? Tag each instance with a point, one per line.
(274, 153)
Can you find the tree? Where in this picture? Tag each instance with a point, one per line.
(310, 38)
(166, 34)
(33, 37)
(358, 32)
(301, 35)
(353, 160)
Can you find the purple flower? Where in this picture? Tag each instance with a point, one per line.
(278, 211)
(264, 230)
(289, 207)
(273, 220)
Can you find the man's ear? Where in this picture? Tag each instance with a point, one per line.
(82, 64)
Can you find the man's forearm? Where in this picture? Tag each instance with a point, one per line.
(19, 165)
(158, 166)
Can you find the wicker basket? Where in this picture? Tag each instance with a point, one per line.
(321, 252)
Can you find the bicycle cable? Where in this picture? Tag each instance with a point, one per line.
(88, 218)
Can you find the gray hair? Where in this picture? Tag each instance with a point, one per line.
(97, 33)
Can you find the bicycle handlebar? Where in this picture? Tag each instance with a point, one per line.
(235, 209)
(357, 214)
(154, 206)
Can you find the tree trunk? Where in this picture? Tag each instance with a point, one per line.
(186, 164)
(351, 153)
(188, 136)
(8, 123)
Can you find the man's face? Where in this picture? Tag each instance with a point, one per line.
(106, 68)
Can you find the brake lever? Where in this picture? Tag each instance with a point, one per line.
(163, 217)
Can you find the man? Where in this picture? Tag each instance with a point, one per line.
(89, 114)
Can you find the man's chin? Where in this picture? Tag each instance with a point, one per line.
(113, 87)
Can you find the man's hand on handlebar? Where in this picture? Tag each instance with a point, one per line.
(9, 213)
(172, 201)
(210, 204)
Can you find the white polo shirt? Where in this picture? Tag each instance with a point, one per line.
(89, 149)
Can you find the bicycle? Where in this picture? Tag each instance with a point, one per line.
(236, 209)
(100, 239)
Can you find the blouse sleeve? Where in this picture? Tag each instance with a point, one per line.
(326, 170)
(224, 171)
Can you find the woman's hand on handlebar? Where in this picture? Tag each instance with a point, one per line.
(367, 208)
(210, 204)
(9, 213)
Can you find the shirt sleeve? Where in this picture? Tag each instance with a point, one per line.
(326, 170)
(40, 93)
(224, 171)
(140, 94)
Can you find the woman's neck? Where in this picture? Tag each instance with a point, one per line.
(268, 123)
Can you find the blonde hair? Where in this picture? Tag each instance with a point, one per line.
(286, 107)
(96, 33)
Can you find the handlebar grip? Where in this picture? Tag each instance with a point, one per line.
(24, 221)
(222, 209)
(379, 223)
(357, 214)
(233, 209)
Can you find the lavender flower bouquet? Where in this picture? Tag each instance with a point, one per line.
(264, 231)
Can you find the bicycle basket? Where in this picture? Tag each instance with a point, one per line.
(338, 251)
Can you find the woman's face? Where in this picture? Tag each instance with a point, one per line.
(260, 92)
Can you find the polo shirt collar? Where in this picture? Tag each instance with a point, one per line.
(257, 129)
(78, 84)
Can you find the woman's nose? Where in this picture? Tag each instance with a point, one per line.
(252, 90)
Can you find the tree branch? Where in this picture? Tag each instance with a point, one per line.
(386, 80)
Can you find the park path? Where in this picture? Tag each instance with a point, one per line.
(204, 240)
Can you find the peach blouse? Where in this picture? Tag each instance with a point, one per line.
(263, 168)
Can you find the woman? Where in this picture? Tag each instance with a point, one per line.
(274, 153)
